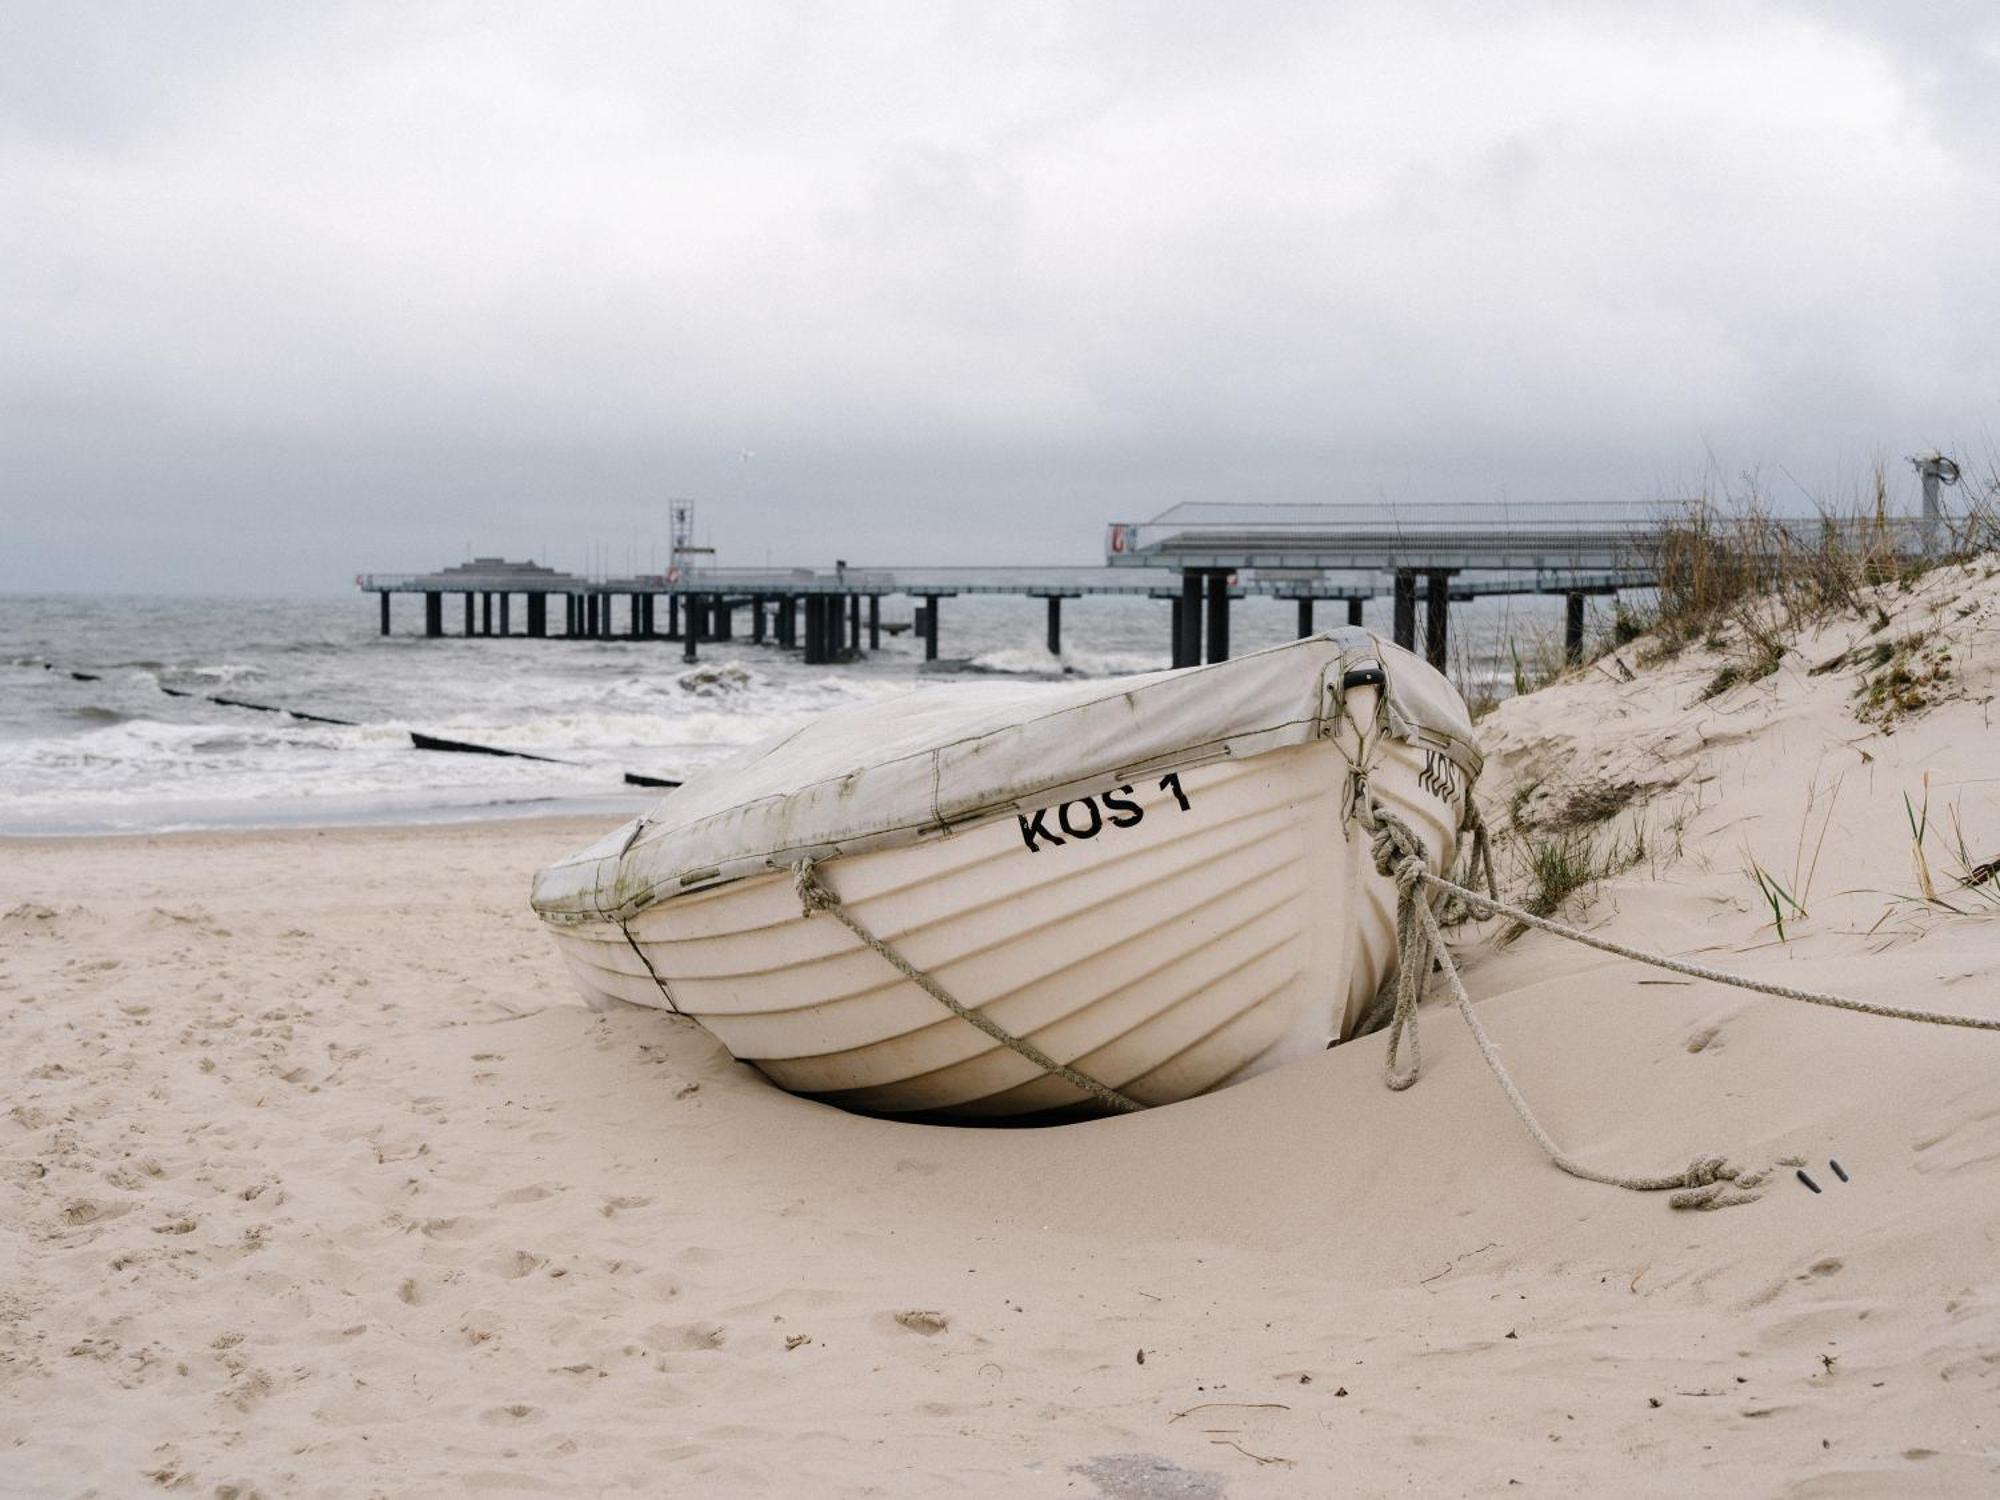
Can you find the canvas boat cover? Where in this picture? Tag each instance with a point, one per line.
(883, 774)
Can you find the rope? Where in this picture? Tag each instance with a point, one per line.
(1706, 1182)
(1492, 906)
(666, 994)
(815, 897)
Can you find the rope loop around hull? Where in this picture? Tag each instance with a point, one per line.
(815, 896)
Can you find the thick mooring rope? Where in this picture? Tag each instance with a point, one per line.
(815, 897)
(1708, 1181)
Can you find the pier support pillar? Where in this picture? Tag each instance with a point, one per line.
(590, 615)
(1218, 615)
(506, 610)
(1437, 615)
(788, 622)
(1055, 625)
(814, 606)
(538, 616)
(486, 612)
(1179, 607)
(854, 623)
(1573, 629)
(874, 622)
(1305, 618)
(1405, 627)
(930, 628)
(433, 614)
(1354, 611)
(756, 619)
(692, 626)
(384, 596)
(468, 615)
(1187, 651)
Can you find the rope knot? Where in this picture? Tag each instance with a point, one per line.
(1706, 1169)
(1399, 853)
(812, 895)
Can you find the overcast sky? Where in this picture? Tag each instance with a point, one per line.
(290, 291)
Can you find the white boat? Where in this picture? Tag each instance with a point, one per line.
(1154, 881)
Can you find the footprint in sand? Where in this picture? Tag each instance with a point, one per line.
(515, 1415)
(612, 1207)
(81, 1211)
(1972, 1142)
(516, 1264)
(533, 1193)
(926, 1321)
(702, 1335)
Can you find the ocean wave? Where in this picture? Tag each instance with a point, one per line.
(1029, 662)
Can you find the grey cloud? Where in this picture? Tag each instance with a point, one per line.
(294, 291)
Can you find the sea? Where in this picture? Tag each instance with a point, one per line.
(108, 722)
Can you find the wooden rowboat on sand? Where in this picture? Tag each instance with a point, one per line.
(1156, 883)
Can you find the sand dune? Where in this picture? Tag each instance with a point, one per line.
(316, 1181)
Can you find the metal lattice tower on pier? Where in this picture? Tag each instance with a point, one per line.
(681, 523)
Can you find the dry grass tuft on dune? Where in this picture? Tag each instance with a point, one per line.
(314, 1180)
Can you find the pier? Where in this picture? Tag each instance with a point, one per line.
(1199, 559)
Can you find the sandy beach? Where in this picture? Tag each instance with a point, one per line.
(316, 1179)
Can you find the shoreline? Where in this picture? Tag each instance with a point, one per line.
(580, 811)
(581, 825)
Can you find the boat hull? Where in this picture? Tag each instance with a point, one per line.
(1165, 939)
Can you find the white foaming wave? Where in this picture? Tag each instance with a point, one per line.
(156, 773)
(184, 761)
(145, 763)
(222, 674)
(1030, 662)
